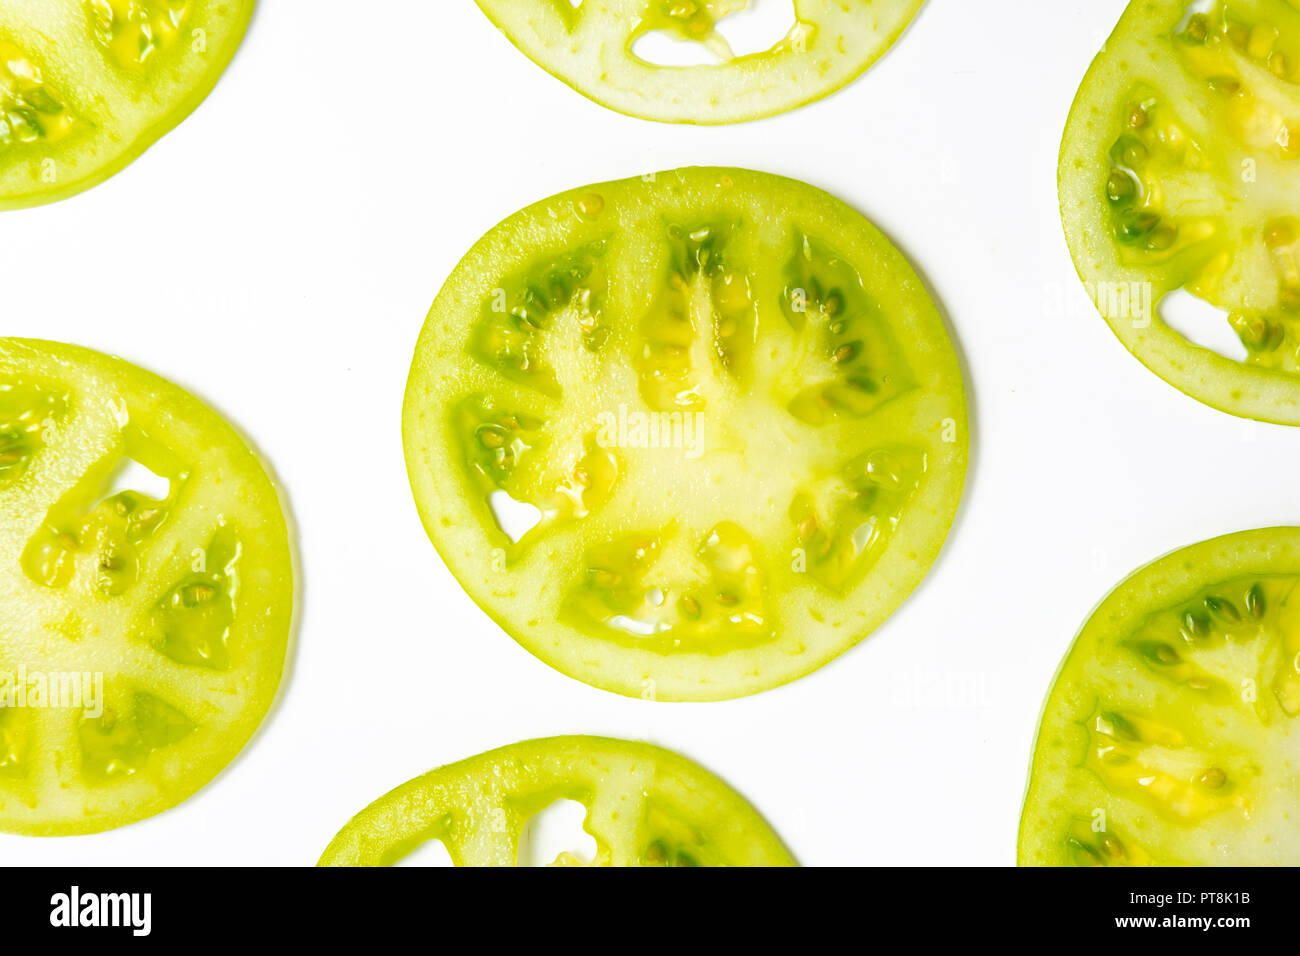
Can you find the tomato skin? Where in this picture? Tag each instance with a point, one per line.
(835, 43)
(1202, 682)
(528, 586)
(646, 807)
(1220, 201)
(190, 648)
(118, 113)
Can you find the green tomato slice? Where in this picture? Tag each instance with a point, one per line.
(729, 405)
(646, 806)
(1171, 734)
(1180, 169)
(142, 632)
(589, 46)
(86, 86)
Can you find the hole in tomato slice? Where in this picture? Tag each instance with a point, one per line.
(101, 529)
(515, 518)
(1202, 324)
(432, 852)
(705, 32)
(133, 477)
(556, 836)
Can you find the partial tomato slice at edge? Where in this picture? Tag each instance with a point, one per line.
(172, 593)
(589, 47)
(646, 806)
(1171, 735)
(87, 87)
(1169, 180)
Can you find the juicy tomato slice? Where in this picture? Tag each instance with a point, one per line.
(1172, 734)
(142, 629)
(645, 807)
(728, 405)
(589, 46)
(1180, 169)
(86, 86)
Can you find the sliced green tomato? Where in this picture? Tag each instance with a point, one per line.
(589, 45)
(1180, 169)
(86, 86)
(728, 403)
(1172, 734)
(645, 807)
(142, 630)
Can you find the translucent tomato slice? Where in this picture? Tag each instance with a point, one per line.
(727, 409)
(146, 591)
(590, 46)
(645, 807)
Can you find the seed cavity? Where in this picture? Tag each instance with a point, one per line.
(646, 590)
(191, 623)
(849, 364)
(26, 412)
(100, 531)
(530, 480)
(134, 33)
(699, 333)
(844, 521)
(560, 297)
(29, 111)
(1153, 760)
(120, 742)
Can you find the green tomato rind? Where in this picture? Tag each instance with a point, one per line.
(524, 591)
(1141, 53)
(1102, 674)
(56, 769)
(645, 806)
(590, 50)
(118, 113)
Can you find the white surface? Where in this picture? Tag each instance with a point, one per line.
(277, 255)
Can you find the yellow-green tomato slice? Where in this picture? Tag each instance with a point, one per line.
(646, 806)
(589, 46)
(729, 406)
(146, 588)
(1180, 170)
(1172, 733)
(86, 86)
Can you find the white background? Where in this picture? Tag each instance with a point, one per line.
(278, 252)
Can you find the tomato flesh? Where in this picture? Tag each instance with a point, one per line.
(590, 47)
(731, 409)
(645, 807)
(87, 85)
(1179, 170)
(1171, 735)
(142, 632)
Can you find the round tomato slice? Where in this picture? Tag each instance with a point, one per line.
(726, 405)
(1172, 733)
(86, 86)
(646, 806)
(142, 630)
(590, 47)
(1180, 170)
